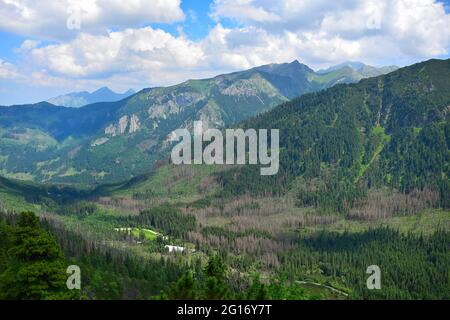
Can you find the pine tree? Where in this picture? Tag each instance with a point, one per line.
(216, 287)
(185, 288)
(36, 268)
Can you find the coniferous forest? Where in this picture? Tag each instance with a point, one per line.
(363, 181)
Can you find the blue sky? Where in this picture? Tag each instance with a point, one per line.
(143, 43)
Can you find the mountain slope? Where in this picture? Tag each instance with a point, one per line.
(360, 67)
(114, 141)
(393, 130)
(83, 98)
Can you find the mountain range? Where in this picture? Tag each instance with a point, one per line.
(363, 179)
(108, 142)
(364, 70)
(83, 98)
(389, 131)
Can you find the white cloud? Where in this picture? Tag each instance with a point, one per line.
(237, 49)
(9, 71)
(282, 15)
(48, 19)
(243, 11)
(317, 32)
(156, 57)
(117, 52)
(321, 31)
(132, 58)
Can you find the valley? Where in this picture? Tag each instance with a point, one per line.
(108, 142)
(363, 180)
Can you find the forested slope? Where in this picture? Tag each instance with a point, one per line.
(391, 130)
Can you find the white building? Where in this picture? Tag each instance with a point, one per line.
(174, 248)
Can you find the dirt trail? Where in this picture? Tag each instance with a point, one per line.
(324, 286)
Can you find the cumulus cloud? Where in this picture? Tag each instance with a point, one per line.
(9, 71)
(154, 55)
(244, 11)
(322, 31)
(317, 32)
(48, 19)
(125, 51)
(243, 48)
(282, 15)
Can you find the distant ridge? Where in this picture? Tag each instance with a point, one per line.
(358, 66)
(108, 142)
(82, 98)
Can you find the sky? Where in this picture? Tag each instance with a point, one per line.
(51, 47)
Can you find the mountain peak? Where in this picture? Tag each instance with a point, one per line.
(286, 69)
(103, 90)
(354, 65)
(359, 68)
(80, 99)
